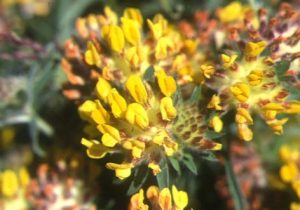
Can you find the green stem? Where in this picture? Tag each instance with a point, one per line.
(233, 185)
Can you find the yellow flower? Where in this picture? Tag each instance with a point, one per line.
(9, 183)
(99, 114)
(215, 103)
(232, 12)
(137, 115)
(165, 199)
(277, 125)
(293, 107)
(228, 60)
(244, 132)
(241, 91)
(180, 198)
(131, 29)
(136, 56)
(166, 83)
(158, 26)
(137, 201)
(137, 89)
(216, 123)
(103, 89)
(95, 150)
(253, 49)
(117, 103)
(155, 168)
(122, 170)
(134, 14)
(92, 56)
(162, 46)
(255, 77)
(153, 193)
(243, 116)
(115, 38)
(167, 109)
(137, 147)
(24, 177)
(289, 172)
(105, 128)
(86, 109)
(207, 70)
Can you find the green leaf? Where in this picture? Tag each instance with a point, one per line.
(196, 95)
(163, 178)
(175, 164)
(213, 135)
(140, 176)
(281, 67)
(177, 97)
(149, 74)
(189, 162)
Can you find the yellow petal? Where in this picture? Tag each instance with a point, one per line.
(155, 168)
(255, 77)
(216, 123)
(117, 103)
(137, 89)
(161, 48)
(289, 172)
(243, 116)
(207, 70)
(85, 110)
(168, 111)
(231, 12)
(166, 83)
(137, 115)
(152, 193)
(95, 150)
(180, 198)
(215, 103)
(134, 14)
(165, 200)
(241, 91)
(100, 115)
(228, 60)
(102, 89)
(105, 128)
(108, 140)
(9, 185)
(122, 171)
(131, 30)
(115, 38)
(137, 201)
(244, 132)
(253, 49)
(91, 56)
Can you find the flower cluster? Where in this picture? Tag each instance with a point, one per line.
(128, 93)
(251, 49)
(160, 199)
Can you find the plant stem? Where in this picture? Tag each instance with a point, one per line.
(233, 185)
